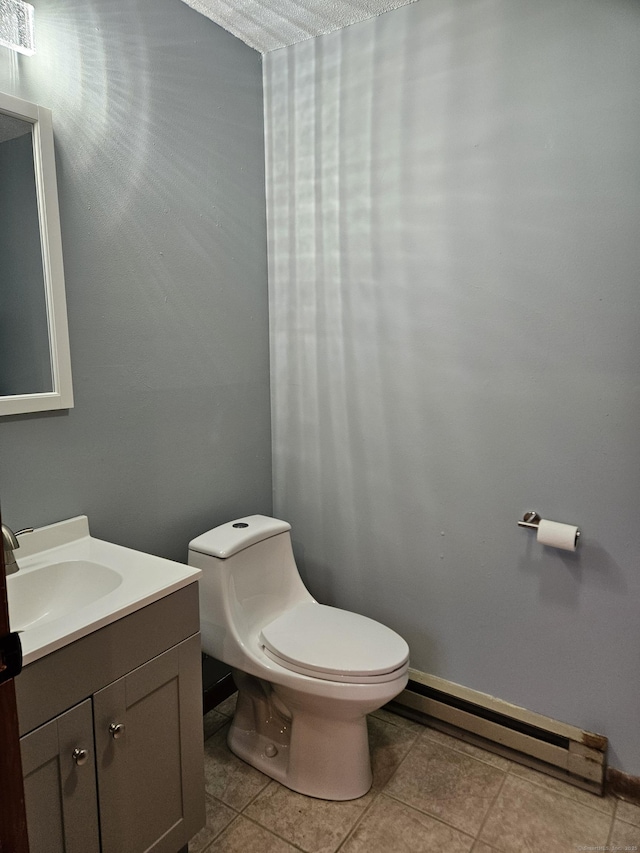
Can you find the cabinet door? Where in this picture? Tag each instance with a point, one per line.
(60, 784)
(149, 754)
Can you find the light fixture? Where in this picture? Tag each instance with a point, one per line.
(16, 26)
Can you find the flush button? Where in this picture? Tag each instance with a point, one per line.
(271, 750)
(240, 524)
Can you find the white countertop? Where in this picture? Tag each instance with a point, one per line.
(70, 584)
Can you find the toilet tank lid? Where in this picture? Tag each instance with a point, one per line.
(234, 536)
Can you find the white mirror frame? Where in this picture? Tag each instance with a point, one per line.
(53, 270)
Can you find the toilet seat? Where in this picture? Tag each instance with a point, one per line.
(335, 645)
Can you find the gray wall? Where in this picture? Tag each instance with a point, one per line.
(159, 141)
(454, 280)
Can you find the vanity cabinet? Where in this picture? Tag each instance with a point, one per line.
(139, 727)
(121, 771)
(60, 794)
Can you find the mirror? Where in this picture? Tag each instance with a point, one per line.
(35, 366)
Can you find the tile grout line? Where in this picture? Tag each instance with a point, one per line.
(615, 817)
(402, 761)
(424, 736)
(255, 820)
(393, 723)
(257, 823)
(218, 834)
(433, 816)
(613, 820)
(220, 831)
(628, 823)
(416, 744)
(541, 784)
(511, 772)
(261, 791)
(488, 812)
(240, 814)
(359, 820)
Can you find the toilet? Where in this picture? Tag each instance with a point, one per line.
(307, 674)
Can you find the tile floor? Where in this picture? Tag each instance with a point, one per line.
(431, 794)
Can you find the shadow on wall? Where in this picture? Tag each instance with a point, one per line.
(127, 131)
(453, 280)
(157, 114)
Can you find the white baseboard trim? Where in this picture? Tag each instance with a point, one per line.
(560, 749)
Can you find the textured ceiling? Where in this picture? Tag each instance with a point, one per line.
(269, 24)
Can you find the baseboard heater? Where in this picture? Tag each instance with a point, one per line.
(556, 748)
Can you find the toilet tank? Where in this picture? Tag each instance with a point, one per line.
(249, 577)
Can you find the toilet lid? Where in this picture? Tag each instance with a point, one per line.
(317, 639)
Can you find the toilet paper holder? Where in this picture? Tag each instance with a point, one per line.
(532, 520)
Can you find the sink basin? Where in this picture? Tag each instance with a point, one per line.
(50, 592)
(70, 584)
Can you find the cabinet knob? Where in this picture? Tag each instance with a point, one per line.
(116, 730)
(80, 756)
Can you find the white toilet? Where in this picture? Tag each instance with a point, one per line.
(307, 674)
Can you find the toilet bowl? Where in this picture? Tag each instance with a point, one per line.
(307, 674)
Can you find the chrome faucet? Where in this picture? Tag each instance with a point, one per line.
(9, 544)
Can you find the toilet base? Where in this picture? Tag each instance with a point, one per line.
(319, 754)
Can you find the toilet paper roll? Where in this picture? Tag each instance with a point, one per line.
(557, 535)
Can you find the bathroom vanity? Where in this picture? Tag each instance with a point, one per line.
(111, 722)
